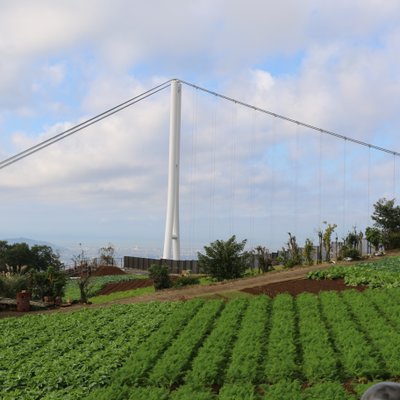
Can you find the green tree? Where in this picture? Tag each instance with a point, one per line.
(373, 235)
(387, 219)
(37, 258)
(224, 259)
(42, 257)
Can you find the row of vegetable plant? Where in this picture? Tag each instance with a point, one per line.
(247, 354)
(171, 366)
(208, 366)
(77, 351)
(137, 366)
(281, 349)
(318, 360)
(246, 348)
(382, 336)
(356, 353)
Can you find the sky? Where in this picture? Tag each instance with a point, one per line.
(334, 65)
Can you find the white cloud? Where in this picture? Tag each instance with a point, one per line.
(346, 79)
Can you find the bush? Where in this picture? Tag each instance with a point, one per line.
(350, 252)
(186, 280)
(11, 284)
(49, 283)
(160, 277)
(225, 259)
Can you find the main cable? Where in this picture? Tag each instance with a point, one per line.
(247, 105)
(91, 121)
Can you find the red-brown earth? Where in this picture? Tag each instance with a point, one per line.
(297, 286)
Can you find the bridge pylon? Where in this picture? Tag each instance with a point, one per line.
(172, 234)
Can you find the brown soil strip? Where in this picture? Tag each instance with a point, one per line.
(125, 285)
(297, 286)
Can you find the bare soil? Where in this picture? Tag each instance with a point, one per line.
(297, 286)
(104, 270)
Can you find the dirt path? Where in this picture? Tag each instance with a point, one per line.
(223, 287)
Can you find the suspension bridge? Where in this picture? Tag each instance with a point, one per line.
(239, 168)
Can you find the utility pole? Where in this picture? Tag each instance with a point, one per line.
(172, 235)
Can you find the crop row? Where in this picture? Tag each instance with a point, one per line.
(247, 354)
(141, 361)
(261, 344)
(376, 327)
(284, 390)
(281, 350)
(209, 363)
(78, 350)
(356, 354)
(318, 355)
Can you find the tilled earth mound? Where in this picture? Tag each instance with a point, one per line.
(126, 285)
(297, 286)
(108, 270)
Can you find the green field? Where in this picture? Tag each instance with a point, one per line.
(259, 348)
(383, 273)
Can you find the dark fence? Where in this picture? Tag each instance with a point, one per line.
(175, 267)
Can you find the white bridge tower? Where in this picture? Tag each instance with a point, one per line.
(172, 235)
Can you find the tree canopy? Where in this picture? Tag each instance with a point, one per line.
(224, 259)
(37, 258)
(387, 220)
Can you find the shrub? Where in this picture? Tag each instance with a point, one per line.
(11, 284)
(186, 280)
(224, 259)
(350, 252)
(160, 277)
(48, 283)
(292, 256)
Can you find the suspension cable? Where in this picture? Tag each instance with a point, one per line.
(91, 121)
(337, 135)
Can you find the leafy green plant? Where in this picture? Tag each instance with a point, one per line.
(356, 354)
(105, 298)
(281, 350)
(318, 356)
(170, 368)
(248, 350)
(243, 391)
(160, 276)
(208, 366)
(224, 259)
